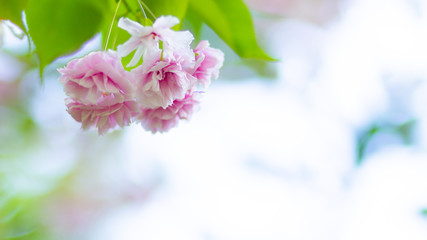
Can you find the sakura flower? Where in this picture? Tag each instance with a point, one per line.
(101, 91)
(163, 119)
(146, 38)
(208, 62)
(104, 116)
(95, 76)
(160, 82)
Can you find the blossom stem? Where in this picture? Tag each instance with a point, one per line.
(142, 8)
(114, 41)
(111, 25)
(148, 9)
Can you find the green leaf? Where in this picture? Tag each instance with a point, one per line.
(61, 27)
(12, 10)
(176, 8)
(194, 24)
(232, 21)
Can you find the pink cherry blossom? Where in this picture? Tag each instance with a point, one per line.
(208, 62)
(160, 82)
(101, 91)
(163, 119)
(146, 38)
(104, 116)
(91, 78)
(158, 93)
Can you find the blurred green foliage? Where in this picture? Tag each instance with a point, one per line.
(19, 219)
(404, 131)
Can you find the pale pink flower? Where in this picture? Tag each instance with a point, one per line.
(104, 116)
(99, 74)
(146, 38)
(208, 62)
(160, 82)
(163, 119)
(101, 91)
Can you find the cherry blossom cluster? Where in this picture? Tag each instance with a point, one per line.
(164, 85)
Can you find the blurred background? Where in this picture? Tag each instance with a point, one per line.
(327, 143)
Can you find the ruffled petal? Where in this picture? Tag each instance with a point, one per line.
(178, 43)
(163, 119)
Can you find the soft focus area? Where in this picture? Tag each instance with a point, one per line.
(327, 143)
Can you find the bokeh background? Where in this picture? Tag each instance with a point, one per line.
(328, 143)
